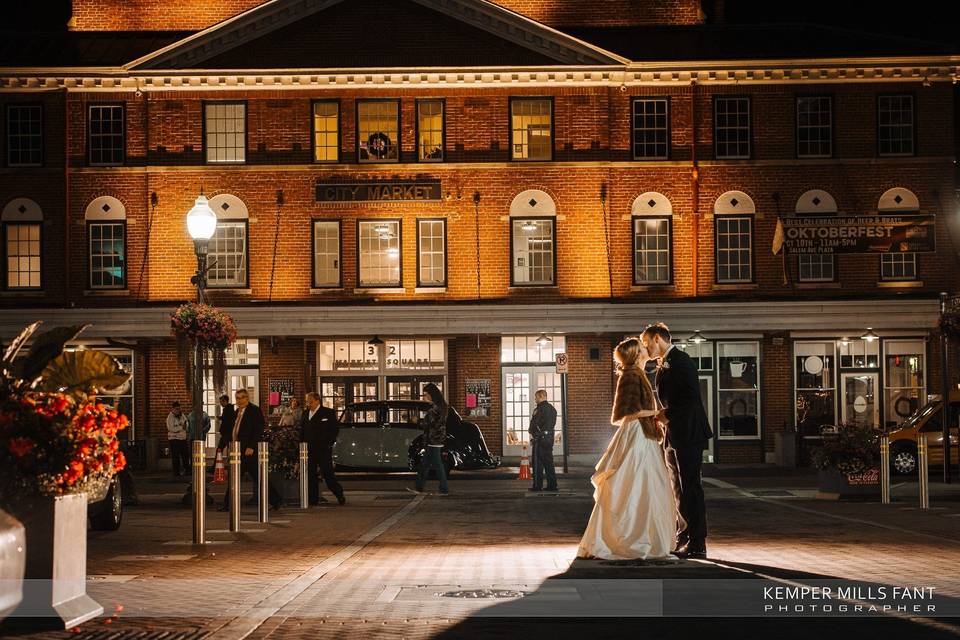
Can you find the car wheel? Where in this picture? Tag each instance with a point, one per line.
(903, 460)
(109, 513)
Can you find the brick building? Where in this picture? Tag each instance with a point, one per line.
(483, 186)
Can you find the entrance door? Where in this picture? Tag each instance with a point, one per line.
(860, 406)
(519, 386)
(706, 395)
(337, 393)
(410, 388)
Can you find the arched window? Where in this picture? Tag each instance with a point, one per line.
(23, 238)
(898, 267)
(533, 225)
(106, 219)
(816, 268)
(652, 218)
(228, 257)
(733, 215)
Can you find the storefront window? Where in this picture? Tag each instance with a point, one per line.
(815, 375)
(738, 390)
(347, 355)
(122, 398)
(415, 354)
(526, 349)
(859, 354)
(904, 384)
(701, 353)
(244, 352)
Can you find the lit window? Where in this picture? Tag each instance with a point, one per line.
(734, 238)
(898, 266)
(347, 355)
(731, 127)
(326, 253)
(24, 135)
(524, 349)
(379, 253)
(895, 125)
(106, 143)
(904, 382)
(533, 251)
(226, 132)
(531, 123)
(651, 129)
(23, 255)
(378, 130)
(814, 127)
(108, 256)
(326, 131)
(430, 130)
(814, 375)
(651, 250)
(431, 253)
(227, 257)
(738, 391)
(816, 267)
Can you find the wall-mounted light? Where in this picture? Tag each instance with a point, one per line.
(697, 338)
(544, 340)
(870, 336)
(375, 341)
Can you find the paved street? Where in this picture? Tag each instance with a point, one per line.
(492, 559)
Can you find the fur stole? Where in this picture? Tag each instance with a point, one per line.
(634, 394)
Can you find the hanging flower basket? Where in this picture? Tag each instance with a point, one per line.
(200, 327)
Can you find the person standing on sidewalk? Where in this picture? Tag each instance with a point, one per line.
(319, 429)
(542, 425)
(177, 438)
(292, 414)
(248, 426)
(434, 437)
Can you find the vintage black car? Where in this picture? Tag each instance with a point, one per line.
(386, 434)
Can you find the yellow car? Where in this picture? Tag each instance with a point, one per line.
(926, 421)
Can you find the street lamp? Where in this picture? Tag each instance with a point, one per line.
(201, 225)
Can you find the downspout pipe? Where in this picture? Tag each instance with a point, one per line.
(695, 188)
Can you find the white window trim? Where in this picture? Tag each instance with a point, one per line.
(759, 391)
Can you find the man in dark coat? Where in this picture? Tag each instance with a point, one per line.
(688, 432)
(247, 429)
(542, 425)
(319, 429)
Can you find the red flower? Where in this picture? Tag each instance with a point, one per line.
(21, 446)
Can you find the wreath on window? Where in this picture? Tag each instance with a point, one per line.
(379, 145)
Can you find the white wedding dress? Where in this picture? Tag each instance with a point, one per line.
(635, 512)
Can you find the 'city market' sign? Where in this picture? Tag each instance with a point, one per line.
(859, 234)
(379, 191)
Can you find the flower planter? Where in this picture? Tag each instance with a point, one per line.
(289, 488)
(55, 589)
(834, 485)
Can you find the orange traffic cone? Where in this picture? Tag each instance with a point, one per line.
(219, 471)
(525, 466)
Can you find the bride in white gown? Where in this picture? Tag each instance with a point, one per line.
(635, 512)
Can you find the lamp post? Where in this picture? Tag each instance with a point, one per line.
(201, 225)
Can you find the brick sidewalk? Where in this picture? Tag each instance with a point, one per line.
(374, 568)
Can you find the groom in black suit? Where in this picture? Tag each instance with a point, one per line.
(688, 432)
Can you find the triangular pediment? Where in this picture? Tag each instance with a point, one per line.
(326, 34)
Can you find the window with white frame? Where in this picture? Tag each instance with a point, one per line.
(22, 222)
(904, 380)
(24, 135)
(738, 390)
(731, 127)
(378, 130)
(326, 131)
(430, 130)
(815, 382)
(895, 124)
(415, 354)
(814, 126)
(121, 398)
(531, 126)
(347, 355)
(900, 266)
(530, 350)
(734, 253)
(651, 128)
(700, 352)
(431, 252)
(856, 353)
(108, 263)
(106, 134)
(533, 246)
(651, 250)
(378, 249)
(227, 257)
(816, 267)
(326, 253)
(225, 126)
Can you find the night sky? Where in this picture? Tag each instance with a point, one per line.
(927, 21)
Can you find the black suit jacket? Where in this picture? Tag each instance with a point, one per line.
(227, 416)
(678, 387)
(321, 431)
(250, 431)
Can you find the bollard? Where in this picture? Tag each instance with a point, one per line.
(263, 480)
(885, 469)
(304, 476)
(199, 492)
(233, 497)
(923, 473)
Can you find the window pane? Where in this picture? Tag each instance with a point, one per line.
(895, 125)
(904, 384)
(378, 126)
(738, 376)
(24, 135)
(107, 255)
(732, 127)
(533, 251)
(650, 129)
(531, 135)
(226, 132)
(326, 129)
(651, 239)
(430, 130)
(430, 256)
(734, 240)
(326, 253)
(379, 252)
(814, 127)
(106, 124)
(23, 256)
(227, 257)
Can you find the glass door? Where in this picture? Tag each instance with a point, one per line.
(706, 396)
(337, 393)
(519, 386)
(860, 406)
